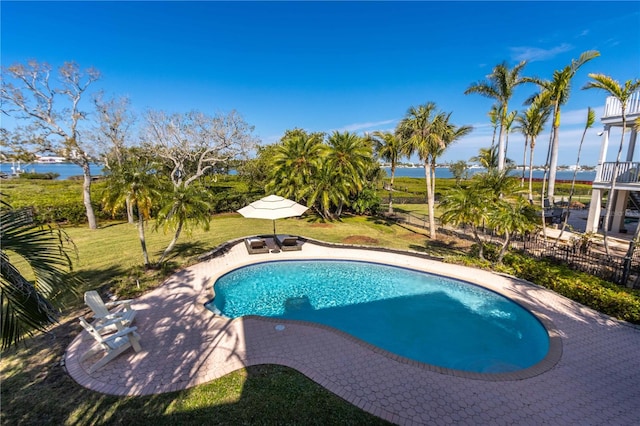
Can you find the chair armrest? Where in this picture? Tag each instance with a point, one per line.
(120, 333)
(119, 302)
(115, 316)
(103, 323)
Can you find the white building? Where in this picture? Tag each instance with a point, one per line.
(627, 187)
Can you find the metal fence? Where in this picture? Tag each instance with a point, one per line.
(579, 255)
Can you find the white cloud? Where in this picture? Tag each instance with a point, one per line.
(533, 54)
(363, 126)
(579, 116)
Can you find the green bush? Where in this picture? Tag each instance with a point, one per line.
(591, 291)
(43, 176)
(596, 293)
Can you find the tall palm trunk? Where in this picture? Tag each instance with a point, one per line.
(553, 162)
(430, 199)
(544, 185)
(524, 159)
(532, 146)
(393, 172)
(129, 206)
(590, 121)
(501, 146)
(614, 179)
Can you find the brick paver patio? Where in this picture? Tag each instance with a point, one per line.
(592, 376)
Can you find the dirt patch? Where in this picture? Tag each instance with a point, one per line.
(413, 236)
(321, 225)
(360, 239)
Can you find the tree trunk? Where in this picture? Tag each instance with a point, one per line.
(533, 140)
(86, 195)
(614, 179)
(503, 249)
(501, 148)
(143, 242)
(524, 159)
(553, 163)
(478, 241)
(172, 244)
(430, 200)
(393, 172)
(129, 210)
(544, 184)
(573, 185)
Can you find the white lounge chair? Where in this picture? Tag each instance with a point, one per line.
(112, 345)
(102, 314)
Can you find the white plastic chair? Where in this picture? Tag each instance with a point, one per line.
(102, 314)
(112, 345)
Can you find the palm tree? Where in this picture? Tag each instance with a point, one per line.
(326, 191)
(622, 94)
(510, 217)
(467, 207)
(500, 85)
(591, 118)
(188, 206)
(558, 90)
(531, 124)
(508, 126)
(296, 160)
(388, 147)
(348, 157)
(136, 181)
(487, 158)
(28, 250)
(494, 117)
(417, 129)
(429, 135)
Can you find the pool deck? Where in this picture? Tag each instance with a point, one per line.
(592, 376)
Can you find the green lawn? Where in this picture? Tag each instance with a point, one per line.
(35, 389)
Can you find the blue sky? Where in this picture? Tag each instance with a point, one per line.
(326, 66)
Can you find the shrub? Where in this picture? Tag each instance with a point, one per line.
(43, 176)
(589, 290)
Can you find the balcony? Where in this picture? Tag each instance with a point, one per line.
(613, 108)
(628, 175)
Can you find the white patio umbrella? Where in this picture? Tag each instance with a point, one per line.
(272, 207)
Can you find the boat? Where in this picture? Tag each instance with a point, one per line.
(46, 159)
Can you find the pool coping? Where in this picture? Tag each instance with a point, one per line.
(553, 355)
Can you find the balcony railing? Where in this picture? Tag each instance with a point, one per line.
(628, 172)
(613, 108)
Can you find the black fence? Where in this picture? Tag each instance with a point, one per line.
(580, 254)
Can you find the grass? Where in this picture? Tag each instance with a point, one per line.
(36, 390)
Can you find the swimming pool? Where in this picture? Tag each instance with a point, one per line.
(423, 317)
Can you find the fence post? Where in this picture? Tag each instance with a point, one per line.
(626, 268)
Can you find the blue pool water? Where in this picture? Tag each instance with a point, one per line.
(427, 318)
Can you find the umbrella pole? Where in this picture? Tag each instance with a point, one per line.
(274, 229)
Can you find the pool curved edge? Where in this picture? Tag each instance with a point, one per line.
(382, 256)
(547, 363)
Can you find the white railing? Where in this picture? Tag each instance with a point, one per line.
(613, 108)
(628, 172)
